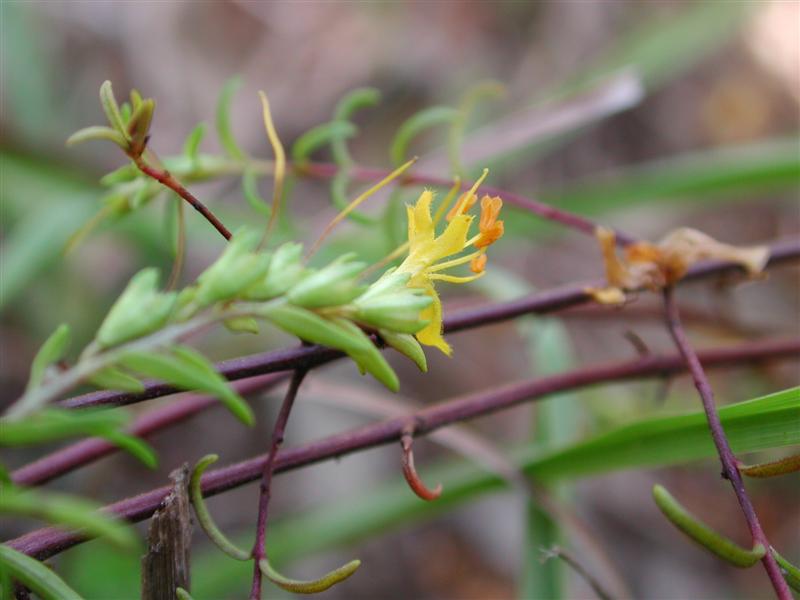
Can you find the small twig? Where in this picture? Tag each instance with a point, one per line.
(166, 179)
(730, 469)
(597, 587)
(410, 472)
(278, 430)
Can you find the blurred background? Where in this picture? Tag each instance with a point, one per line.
(645, 115)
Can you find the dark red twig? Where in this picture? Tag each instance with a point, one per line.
(410, 472)
(47, 542)
(730, 469)
(166, 179)
(312, 356)
(81, 453)
(265, 491)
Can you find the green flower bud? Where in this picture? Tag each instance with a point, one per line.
(397, 311)
(285, 270)
(140, 310)
(241, 325)
(237, 268)
(333, 285)
(407, 345)
(390, 282)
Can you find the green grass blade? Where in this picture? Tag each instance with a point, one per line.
(767, 422)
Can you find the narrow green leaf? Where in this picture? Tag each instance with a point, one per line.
(182, 594)
(339, 185)
(133, 445)
(224, 130)
(769, 422)
(97, 132)
(790, 573)
(191, 146)
(204, 516)
(349, 104)
(712, 541)
(415, 125)
(36, 576)
(51, 352)
(114, 379)
(188, 370)
(783, 466)
(314, 586)
(111, 108)
(250, 191)
(55, 424)
(315, 138)
(369, 358)
(68, 511)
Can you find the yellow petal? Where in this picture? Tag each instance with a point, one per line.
(453, 239)
(431, 334)
(422, 229)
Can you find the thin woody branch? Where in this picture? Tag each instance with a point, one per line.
(730, 468)
(84, 452)
(47, 542)
(312, 356)
(265, 491)
(166, 179)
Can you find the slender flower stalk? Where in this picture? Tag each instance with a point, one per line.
(730, 468)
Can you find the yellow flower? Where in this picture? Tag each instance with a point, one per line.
(427, 253)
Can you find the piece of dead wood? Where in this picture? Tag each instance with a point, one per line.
(166, 564)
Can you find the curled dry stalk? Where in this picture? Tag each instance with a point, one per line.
(409, 470)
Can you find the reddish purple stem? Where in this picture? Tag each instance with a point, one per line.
(730, 468)
(311, 356)
(265, 490)
(44, 543)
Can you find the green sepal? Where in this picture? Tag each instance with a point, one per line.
(406, 345)
(234, 271)
(241, 325)
(333, 285)
(398, 312)
(285, 271)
